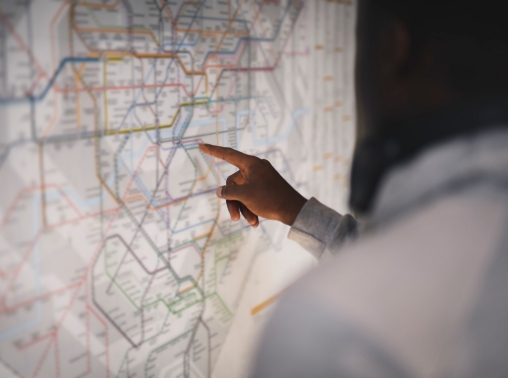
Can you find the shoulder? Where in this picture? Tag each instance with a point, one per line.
(409, 284)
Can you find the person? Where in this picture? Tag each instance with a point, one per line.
(423, 290)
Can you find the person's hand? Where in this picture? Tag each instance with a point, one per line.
(257, 189)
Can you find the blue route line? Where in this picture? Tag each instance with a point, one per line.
(63, 63)
(253, 39)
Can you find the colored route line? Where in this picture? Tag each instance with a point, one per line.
(265, 304)
(4, 101)
(51, 81)
(187, 297)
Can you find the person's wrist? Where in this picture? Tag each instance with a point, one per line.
(293, 208)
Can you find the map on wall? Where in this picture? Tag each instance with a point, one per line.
(116, 257)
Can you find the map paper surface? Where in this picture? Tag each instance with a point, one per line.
(116, 257)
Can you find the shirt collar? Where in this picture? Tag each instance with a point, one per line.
(376, 156)
(443, 168)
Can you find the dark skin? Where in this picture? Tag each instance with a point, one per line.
(390, 84)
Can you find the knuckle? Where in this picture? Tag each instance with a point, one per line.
(259, 163)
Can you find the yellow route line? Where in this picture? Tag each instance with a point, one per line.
(118, 58)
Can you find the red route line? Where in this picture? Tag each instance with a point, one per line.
(116, 211)
(55, 332)
(57, 225)
(57, 358)
(44, 354)
(87, 331)
(35, 188)
(34, 84)
(38, 298)
(11, 28)
(79, 283)
(35, 341)
(206, 65)
(18, 269)
(120, 88)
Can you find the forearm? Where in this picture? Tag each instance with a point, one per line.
(318, 228)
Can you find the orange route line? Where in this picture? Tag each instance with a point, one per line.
(274, 55)
(52, 32)
(78, 99)
(96, 126)
(105, 233)
(54, 119)
(80, 282)
(260, 307)
(227, 29)
(98, 5)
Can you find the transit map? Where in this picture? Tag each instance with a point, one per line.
(116, 257)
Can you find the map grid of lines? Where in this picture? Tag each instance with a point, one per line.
(116, 257)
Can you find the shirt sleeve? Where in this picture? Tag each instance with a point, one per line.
(318, 228)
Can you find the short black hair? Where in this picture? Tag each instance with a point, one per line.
(480, 19)
(473, 36)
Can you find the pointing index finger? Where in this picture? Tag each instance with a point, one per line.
(237, 158)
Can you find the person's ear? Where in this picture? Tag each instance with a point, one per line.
(396, 49)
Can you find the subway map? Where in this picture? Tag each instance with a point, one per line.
(116, 257)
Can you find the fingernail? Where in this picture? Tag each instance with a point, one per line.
(219, 192)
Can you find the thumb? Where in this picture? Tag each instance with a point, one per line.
(231, 192)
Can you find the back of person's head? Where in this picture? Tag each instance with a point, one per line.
(426, 71)
(469, 38)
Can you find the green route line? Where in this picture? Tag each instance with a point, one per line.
(221, 301)
(203, 101)
(82, 136)
(126, 359)
(170, 311)
(163, 346)
(141, 307)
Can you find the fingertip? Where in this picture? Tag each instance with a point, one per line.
(218, 192)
